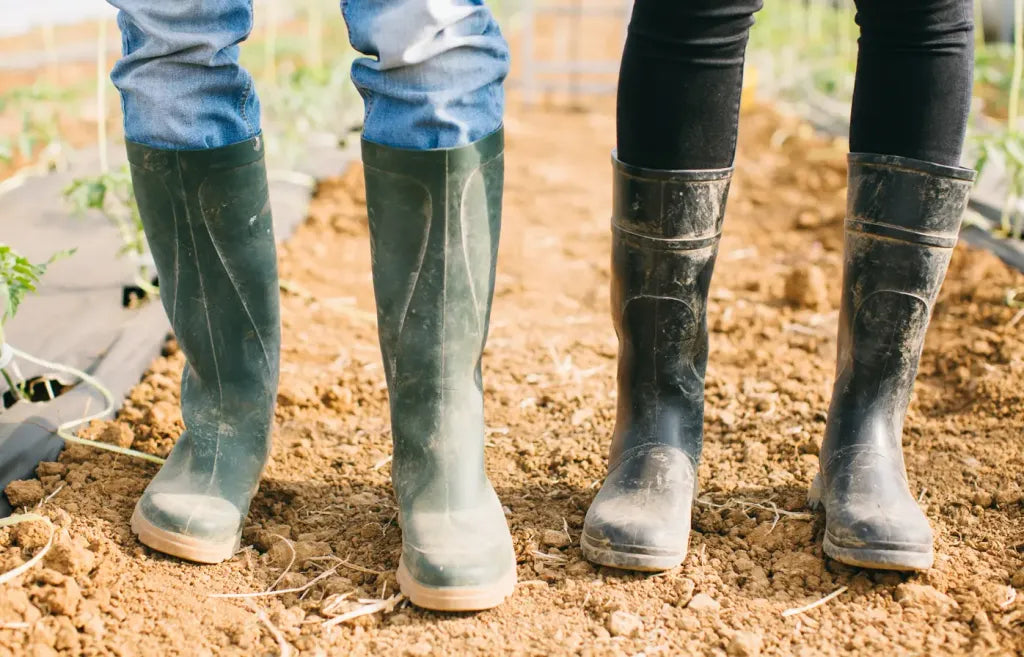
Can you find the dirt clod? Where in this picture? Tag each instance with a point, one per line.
(702, 602)
(555, 538)
(806, 287)
(117, 433)
(24, 493)
(745, 644)
(913, 595)
(623, 623)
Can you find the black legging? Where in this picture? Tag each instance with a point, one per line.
(682, 72)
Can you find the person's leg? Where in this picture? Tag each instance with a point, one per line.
(914, 75)
(433, 160)
(433, 72)
(196, 156)
(680, 83)
(906, 200)
(679, 95)
(181, 85)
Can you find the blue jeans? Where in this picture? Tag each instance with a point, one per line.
(432, 76)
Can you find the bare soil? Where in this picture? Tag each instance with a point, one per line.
(549, 374)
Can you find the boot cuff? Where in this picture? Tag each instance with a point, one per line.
(907, 199)
(224, 157)
(679, 205)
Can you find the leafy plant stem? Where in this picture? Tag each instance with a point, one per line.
(16, 390)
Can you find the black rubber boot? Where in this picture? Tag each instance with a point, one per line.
(435, 217)
(666, 228)
(903, 217)
(207, 220)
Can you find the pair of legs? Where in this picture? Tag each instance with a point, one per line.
(432, 80)
(678, 111)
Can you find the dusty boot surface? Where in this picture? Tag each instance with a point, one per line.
(208, 223)
(903, 218)
(666, 228)
(435, 218)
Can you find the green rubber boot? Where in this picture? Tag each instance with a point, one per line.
(434, 222)
(207, 219)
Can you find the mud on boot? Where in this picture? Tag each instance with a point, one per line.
(207, 219)
(903, 218)
(666, 226)
(435, 218)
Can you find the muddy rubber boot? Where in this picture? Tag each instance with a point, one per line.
(207, 220)
(434, 222)
(666, 226)
(903, 217)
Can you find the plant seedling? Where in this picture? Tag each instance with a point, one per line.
(113, 196)
(19, 277)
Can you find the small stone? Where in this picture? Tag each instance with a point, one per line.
(554, 538)
(623, 623)
(755, 453)
(922, 596)
(24, 493)
(280, 553)
(981, 347)
(1007, 496)
(292, 581)
(806, 288)
(808, 219)
(684, 591)
(703, 602)
(688, 623)
(983, 499)
(296, 393)
(811, 446)
(745, 644)
(118, 434)
(162, 413)
(579, 569)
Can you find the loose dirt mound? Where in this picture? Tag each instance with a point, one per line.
(550, 394)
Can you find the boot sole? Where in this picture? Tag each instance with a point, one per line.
(179, 545)
(629, 557)
(903, 560)
(445, 598)
(866, 556)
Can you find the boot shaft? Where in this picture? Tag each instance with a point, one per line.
(208, 223)
(666, 226)
(903, 218)
(435, 219)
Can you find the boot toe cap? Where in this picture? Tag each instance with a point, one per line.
(457, 549)
(203, 517)
(641, 517)
(866, 524)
